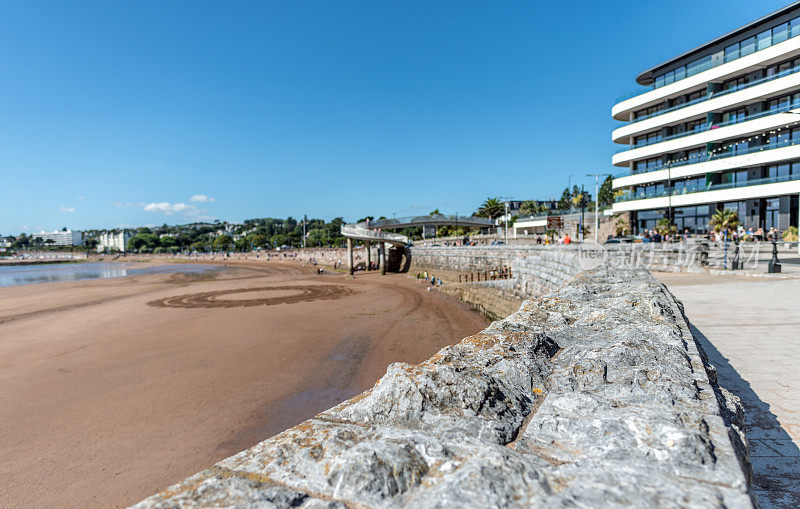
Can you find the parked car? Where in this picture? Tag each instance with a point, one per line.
(619, 240)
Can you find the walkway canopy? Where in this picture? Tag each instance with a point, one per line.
(358, 232)
(434, 220)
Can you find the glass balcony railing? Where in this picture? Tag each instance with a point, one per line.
(718, 155)
(762, 41)
(714, 125)
(643, 195)
(719, 93)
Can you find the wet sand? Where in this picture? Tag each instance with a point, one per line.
(111, 390)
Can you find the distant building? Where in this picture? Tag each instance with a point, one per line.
(717, 129)
(114, 241)
(60, 238)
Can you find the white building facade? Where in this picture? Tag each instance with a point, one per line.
(719, 128)
(60, 238)
(113, 241)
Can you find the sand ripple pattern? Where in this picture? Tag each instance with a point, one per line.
(217, 300)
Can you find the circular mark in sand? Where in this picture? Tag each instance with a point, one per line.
(235, 298)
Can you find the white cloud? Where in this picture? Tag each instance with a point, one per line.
(201, 198)
(67, 209)
(80, 197)
(16, 191)
(168, 208)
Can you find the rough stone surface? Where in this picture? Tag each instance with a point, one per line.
(595, 395)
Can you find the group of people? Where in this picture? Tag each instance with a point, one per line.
(739, 234)
(566, 239)
(431, 280)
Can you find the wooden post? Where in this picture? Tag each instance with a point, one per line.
(382, 257)
(369, 256)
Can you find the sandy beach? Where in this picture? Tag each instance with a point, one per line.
(112, 389)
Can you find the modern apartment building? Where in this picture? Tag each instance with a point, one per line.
(114, 241)
(60, 238)
(718, 128)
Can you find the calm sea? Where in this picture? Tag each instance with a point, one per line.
(12, 275)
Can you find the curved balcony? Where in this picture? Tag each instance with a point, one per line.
(753, 124)
(758, 188)
(715, 70)
(723, 100)
(721, 161)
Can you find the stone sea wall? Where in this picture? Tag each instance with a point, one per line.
(493, 299)
(593, 394)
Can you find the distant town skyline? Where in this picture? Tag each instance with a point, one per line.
(124, 115)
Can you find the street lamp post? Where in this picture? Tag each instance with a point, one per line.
(597, 203)
(505, 226)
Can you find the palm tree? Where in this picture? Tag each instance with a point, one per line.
(491, 208)
(724, 219)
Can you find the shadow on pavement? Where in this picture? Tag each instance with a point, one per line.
(775, 457)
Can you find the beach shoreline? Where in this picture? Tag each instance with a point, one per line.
(108, 396)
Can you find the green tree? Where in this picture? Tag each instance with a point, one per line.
(91, 244)
(223, 242)
(724, 219)
(533, 208)
(143, 241)
(565, 202)
(664, 226)
(606, 193)
(259, 240)
(491, 208)
(621, 225)
(167, 242)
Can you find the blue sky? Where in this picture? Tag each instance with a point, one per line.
(133, 113)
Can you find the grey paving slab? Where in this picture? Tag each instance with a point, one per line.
(749, 329)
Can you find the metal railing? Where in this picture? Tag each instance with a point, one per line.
(714, 125)
(714, 95)
(702, 189)
(567, 214)
(359, 232)
(438, 219)
(486, 275)
(715, 156)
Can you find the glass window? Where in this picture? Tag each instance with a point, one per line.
(741, 176)
(747, 46)
(764, 40)
(697, 66)
(795, 169)
(732, 52)
(794, 27)
(669, 78)
(780, 33)
(660, 81)
(680, 73)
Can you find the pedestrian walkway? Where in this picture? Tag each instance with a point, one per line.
(749, 329)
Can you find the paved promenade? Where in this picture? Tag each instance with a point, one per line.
(749, 329)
